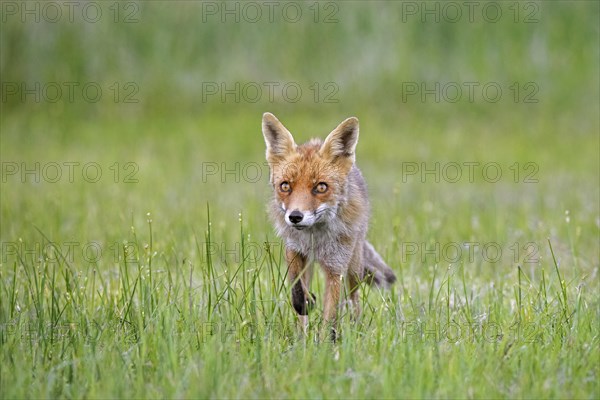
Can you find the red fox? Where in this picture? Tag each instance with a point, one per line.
(320, 209)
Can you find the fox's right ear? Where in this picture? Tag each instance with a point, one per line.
(279, 140)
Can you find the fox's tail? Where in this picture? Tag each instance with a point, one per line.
(376, 271)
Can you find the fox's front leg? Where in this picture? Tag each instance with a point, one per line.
(355, 272)
(332, 299)
(353, 285)
(299, 274)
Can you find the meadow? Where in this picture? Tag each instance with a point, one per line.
(137, 259)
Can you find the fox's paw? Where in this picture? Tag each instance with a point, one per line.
(301, 304)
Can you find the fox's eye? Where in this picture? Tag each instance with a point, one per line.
(285, 187)
(321, 187)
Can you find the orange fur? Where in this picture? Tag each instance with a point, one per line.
(320, 208)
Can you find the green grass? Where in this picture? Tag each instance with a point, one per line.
(187, 306)
(164, 278)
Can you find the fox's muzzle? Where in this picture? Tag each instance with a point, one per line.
(300, 219)
(295, 217)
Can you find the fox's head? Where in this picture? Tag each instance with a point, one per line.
(309, 180)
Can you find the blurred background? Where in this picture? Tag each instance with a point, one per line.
(130, 139)
(165, 98)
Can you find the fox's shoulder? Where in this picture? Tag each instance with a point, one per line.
(356, 207)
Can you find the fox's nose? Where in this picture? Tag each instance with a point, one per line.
(296, 216)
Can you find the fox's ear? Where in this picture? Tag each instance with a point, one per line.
(341, 142)
(278, 139)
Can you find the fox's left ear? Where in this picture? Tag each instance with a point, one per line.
(341, 142)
